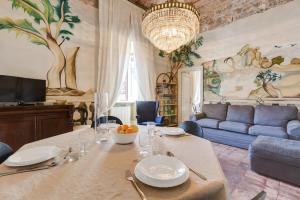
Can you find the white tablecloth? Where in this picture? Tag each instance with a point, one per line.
(101, 173)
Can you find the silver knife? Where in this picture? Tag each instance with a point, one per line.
(169, 153)
(18, 171)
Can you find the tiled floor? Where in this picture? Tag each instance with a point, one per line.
(244, 184)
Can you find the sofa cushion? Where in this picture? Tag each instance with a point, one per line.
(208, 123)
(274, 115)
(277, 149)
(228, 137)
(234, 126)
(215, 111)
(243, 114)
(273, 131)
(293, 129)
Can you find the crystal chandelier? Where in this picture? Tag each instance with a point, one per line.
(170, 25)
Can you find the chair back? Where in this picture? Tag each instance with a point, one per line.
(191, 128)
(104, 119)
(5, 152)
(147, 110)
(83, 116)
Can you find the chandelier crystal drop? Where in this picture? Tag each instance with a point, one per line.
(170, 25)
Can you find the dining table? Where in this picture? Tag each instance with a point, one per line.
(100, 173)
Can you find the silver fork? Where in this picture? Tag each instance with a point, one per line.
(130, 178)
(169, 153)
(30, 169)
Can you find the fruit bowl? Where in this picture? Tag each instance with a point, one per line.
(125, 134)
(121, 138)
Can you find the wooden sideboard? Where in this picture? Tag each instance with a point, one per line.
(20, 125)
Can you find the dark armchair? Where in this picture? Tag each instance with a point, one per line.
(5, 152)
(102, 120)
(147, 111)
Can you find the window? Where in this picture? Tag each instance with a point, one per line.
(129, 87)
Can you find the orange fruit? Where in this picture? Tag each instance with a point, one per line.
(125, 127)
(130, 130)
(119, 129)
(135, 128)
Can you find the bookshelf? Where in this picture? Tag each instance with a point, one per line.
(166, 94)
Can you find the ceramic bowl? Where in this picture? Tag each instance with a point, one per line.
(120, 138)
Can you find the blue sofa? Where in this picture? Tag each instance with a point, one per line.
(278, 158)
(239, 125)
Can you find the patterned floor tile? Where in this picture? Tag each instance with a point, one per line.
(243, 183)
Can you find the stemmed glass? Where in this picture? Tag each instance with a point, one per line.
(84, 142)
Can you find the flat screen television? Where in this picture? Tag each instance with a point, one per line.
(17, 89)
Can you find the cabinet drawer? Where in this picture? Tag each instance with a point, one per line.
(17, 131)
(53, 124)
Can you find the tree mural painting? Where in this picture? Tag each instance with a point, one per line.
(182, 56)
(51, 28)
(264, 80)
(212, 80)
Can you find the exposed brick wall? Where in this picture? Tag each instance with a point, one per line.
(93, 3)
(216, 13)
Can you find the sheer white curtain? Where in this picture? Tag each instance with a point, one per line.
(120, 22)
(115, 28)
(144, 57)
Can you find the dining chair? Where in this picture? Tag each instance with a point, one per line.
(260, 196)
(5, 151)
(147, 111)
(104, 119)
(191, 128)
(83, 115)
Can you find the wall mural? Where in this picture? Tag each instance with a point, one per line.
(49, 25)
(250, 75)
(52, 40)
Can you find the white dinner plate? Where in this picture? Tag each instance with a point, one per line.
(32, 156)
(173, 131)
(161, 171)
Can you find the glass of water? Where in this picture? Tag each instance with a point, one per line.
(151, 128)
(158, 146)
(102, 133)
(144, 143)
(101, 112)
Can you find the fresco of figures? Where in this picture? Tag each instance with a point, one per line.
(250, 75)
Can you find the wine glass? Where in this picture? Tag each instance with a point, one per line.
(84, 142)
